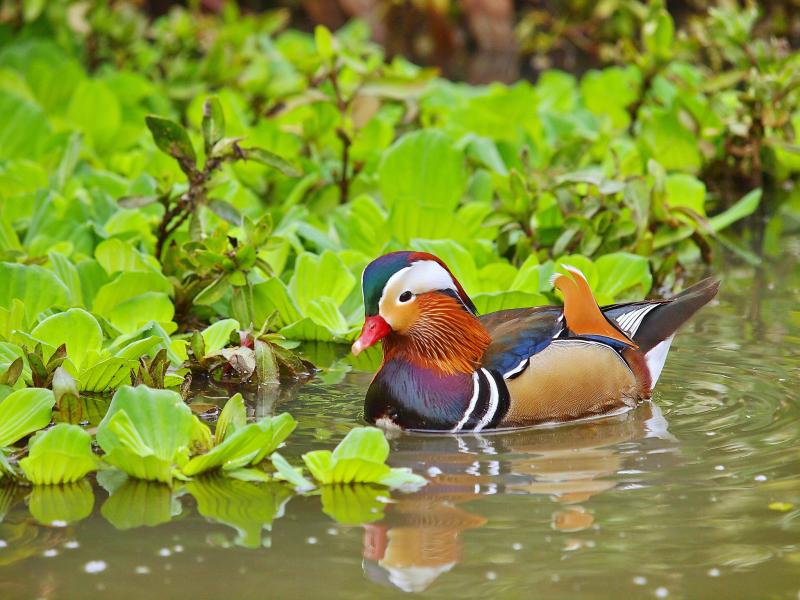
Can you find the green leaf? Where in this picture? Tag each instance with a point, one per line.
(62, 454)
(745, 207)
(368, 443)
(116, 255)
(37, 288)
(620, 272)
(265, 157)
(324, 42)
(424, 170)
(218, 335)
(316, 276)
(105, 375)
(247, 445)
(23, 412)
(232, 418)
(669, 142)
(145, 432)
(289, 473)
(226, 211)
(213, 122)
(76, 328)
(687, 191)
(95, 109)
(172, 139)
(60, 504)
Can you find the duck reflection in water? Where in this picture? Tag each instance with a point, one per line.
(420, 537)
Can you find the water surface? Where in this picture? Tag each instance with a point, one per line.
(696, 495)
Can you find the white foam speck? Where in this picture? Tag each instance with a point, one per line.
(164, 552)
(50, 552)
(639, 580)
(760, 478)
(58, 523)
(516, 546)
(141, 570)
(312, 540)
(71, 545)
(662, 592)
(95, 566)
(719, 468)
(713, 572)
(491, 575)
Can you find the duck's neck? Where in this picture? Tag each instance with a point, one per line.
(445, 340)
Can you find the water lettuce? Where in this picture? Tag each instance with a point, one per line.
(62, 454)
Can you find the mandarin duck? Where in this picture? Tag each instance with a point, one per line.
(447, 369)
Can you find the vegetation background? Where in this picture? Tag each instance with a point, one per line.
(193, 190)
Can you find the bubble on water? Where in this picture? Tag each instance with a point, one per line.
(71, 545)
(713, 572)
(639, 580)
(311, 540)
(95, 566)
(165, 552)
(516, 546)
(434, 471)
(760, 477)
(3, 543)
(491, 575)
(50, 552)
(719, 468)
(177, 548)
(142, 570)
(333, 531)
(58, 523)
(662, 592)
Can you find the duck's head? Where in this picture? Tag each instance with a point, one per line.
(413, 296)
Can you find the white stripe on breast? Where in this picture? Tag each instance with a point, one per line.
(476, 388)
(494, 400)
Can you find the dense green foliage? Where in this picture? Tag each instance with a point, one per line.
(199, 193)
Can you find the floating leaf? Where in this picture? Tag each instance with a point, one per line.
(232, 417)
(359, 458)
(146, 432)
(247, 445)
(62, 454)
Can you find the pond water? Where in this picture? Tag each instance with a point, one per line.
(694, 495)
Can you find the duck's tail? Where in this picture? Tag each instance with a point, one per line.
(652, 325)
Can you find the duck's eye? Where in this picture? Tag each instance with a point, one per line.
(405, 296)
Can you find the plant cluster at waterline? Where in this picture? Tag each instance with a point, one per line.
(152, 435)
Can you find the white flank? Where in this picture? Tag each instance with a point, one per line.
(494, 400)
(476, 388)
(656, 359)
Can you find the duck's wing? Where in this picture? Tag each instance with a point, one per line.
(518, 334)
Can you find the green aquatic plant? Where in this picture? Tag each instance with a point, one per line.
(148, 433)
(359, 458)
(62, 454)
(239, 445)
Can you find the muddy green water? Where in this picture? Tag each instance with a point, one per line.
(696, 495)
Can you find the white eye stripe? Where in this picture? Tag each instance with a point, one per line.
(420, 277)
